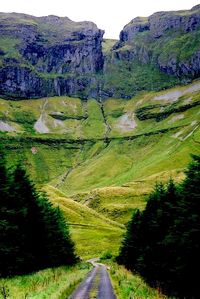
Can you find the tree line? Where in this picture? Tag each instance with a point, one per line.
(162, 243)
(33, 233)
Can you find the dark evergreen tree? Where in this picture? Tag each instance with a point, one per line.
(56, 235)
(129, 252)
(3, 177)
(3, 209)
(184, 236)
(34, 234)
(24, 199)
(163, 243)
(8, 228)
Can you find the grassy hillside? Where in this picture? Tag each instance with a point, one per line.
(128, 78)
(92, 232)
(99, 161)
(76, 119)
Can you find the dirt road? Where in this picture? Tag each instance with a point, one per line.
(96, 285)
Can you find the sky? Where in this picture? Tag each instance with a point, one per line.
(109, 15)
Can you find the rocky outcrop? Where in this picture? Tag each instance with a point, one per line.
(138, 24)
(160, 22)
(66, 58)
(146, 40)
(17, 81)
(47, 56)
(128, 54)
(22, 82)
(52, 56)
(190, 68)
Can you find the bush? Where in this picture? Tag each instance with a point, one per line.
(107, 255)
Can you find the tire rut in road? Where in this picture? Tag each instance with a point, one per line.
(83, 290)
(105, 286)
(97, 284)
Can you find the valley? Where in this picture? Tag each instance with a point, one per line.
(94, 178)
(96, 124)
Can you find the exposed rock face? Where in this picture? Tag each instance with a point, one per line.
(146, 40)
(189, 68)
(136, 25)
(21, 82)
(52, 56)
(160, 22)
(49, 56)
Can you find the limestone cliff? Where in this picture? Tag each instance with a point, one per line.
(48, 56)
(170, 39)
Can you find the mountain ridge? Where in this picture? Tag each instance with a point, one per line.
(155, 53)
(49, 56)
(41, 56)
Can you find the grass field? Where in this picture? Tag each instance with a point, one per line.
(92, 232)
(56, 283)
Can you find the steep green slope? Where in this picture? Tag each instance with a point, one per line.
(100, 144)
(92, 232)
(104, 156)
(71, 118)
(125, 78)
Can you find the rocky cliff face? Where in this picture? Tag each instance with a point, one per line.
(138, 24)
(160, 22)
(56, 56)
(154, 53)
(48, 56)
(22, 82)
(164, 37)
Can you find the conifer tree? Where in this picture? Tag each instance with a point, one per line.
(3, 176)
(56, 235)
(163, 244)
(129, 252)
(34, 234)
(4, 225)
